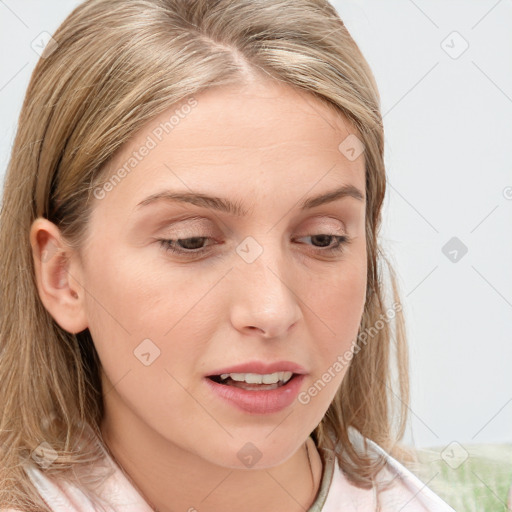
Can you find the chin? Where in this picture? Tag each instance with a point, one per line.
(259, 452)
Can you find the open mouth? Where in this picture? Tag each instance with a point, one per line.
(254, 382)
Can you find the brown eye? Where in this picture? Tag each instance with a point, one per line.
(182, 246)
(325, 240)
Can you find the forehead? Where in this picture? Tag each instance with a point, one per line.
(254, 115)
(239, 138)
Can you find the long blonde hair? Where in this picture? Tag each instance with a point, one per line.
(115, 65)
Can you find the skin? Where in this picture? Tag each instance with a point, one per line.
(267, 146)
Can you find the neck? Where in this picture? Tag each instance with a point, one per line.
(171, 478)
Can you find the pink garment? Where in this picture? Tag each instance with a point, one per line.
(336, 493)
(409, 494)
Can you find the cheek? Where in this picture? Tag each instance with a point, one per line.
(342, 302)
(146, 308)
(149, 338)
(335, 306)
(135, 290)
(338, 297)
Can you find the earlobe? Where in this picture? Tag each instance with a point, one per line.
(58, 276)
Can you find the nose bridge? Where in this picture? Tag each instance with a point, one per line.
(263, 258)
(265, 296)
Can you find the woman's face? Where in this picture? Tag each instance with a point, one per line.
(260, 282)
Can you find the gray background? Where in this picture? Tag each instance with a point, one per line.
(448, 123)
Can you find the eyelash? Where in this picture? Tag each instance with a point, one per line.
(167, 245)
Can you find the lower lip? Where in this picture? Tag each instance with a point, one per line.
(259, 402)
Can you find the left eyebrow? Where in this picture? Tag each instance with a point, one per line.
(236, 208)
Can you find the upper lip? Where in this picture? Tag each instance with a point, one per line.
(261, 367)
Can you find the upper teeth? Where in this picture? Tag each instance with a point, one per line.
(256, 378)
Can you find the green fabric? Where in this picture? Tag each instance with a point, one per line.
(470, 478)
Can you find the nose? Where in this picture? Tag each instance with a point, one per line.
(265, 302)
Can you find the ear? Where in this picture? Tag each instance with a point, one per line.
(58, 274)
